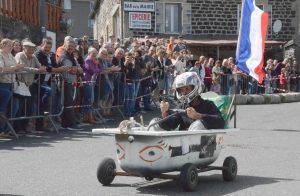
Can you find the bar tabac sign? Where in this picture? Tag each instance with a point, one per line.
(138, 6)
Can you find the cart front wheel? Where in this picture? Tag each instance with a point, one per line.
(104, 171)
(229, 174)
(189, 177)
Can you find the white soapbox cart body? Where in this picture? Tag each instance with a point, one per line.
(152, 154)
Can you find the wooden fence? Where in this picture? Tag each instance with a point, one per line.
(29, 11)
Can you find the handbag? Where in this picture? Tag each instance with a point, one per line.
(21, 89)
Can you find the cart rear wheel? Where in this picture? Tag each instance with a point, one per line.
(189, 177)
(104, 171)
(229, 174)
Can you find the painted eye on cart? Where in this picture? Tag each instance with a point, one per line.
(151, 153)
(120, 152)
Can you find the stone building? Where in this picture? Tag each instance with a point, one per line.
(210, 27)
(21, 19)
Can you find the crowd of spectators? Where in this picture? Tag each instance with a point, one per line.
(105, 74)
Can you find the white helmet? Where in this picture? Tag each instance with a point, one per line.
(187, 79)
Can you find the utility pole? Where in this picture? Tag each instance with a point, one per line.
(43, 18)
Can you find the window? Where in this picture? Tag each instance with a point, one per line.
(67, 4)
(265, 8)
(116, 24)
(91, 5)
(91, 23)
(172, 18)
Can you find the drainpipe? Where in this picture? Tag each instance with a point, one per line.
(43, 18)
(122, 22)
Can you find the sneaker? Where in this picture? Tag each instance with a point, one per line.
(63, 127)
(75, 128)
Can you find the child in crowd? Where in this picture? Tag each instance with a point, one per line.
(215, 87)
(283, 81)
(268, 82)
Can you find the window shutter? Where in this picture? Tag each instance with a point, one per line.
(159, 17)
(186, 18)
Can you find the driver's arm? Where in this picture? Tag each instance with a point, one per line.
(171, 123)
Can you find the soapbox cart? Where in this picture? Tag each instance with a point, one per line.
(152, 154)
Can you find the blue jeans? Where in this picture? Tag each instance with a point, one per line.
(146, 91)
(119, 88)
(88, 97)
(12, 108)
(46, 93)
(168, 78)
(57, 106)
(5, 96)
(136, 90)
(128, 101)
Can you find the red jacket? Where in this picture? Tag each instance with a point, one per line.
(283, 79)
(208, 73)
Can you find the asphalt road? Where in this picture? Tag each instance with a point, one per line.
(266, 149)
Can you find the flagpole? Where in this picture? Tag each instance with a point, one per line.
(240, 29)
(235, 75)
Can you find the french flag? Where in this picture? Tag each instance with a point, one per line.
(251, 41)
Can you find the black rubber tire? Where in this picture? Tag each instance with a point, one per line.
(189, 177)
(230, 173)
(104, 171)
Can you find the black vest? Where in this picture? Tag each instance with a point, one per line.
(65, 55)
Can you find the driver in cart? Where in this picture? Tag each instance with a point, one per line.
(194, 113)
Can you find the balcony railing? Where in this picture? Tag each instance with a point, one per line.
(29, 11)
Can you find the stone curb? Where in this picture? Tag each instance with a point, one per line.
(267, 98)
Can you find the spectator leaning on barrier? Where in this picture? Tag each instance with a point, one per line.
(107, 87)
(60, 49)
(91, 67)
(17, 47)
(67, 59)
(119, 85)
(45, 58)
(159, 74)
(32, 66)
(109, 68)
(129, 66)
(7, 64)
(140, 67)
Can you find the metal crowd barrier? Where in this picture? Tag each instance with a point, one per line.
(117, 96)
(35, 100)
